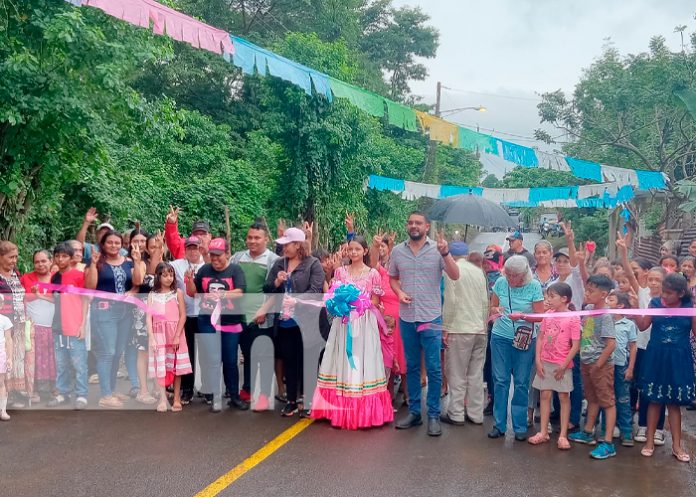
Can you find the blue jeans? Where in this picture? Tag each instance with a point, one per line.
(71, 356)
(508, 362)
(430, 342)
(111, 329)
(622, 391)
(215, 347)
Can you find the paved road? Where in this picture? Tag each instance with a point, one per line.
(138, 453)
(482, 240)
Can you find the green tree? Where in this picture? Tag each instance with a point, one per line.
(624, 112)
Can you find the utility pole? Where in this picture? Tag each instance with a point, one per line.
(431, 170)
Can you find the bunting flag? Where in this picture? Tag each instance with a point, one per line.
(496, 155)
(165, 21)
(604, 195)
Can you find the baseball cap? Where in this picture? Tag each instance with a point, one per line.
(201, 225)
(562, 251)
(291, 235)
(517, 235)
(458, 248)
(107, 226)
(217, 246)
(192, 240)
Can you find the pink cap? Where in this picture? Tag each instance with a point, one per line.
(291, 235)
(217, 246)
(191, 241)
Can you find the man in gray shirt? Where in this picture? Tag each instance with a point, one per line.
(415, 272)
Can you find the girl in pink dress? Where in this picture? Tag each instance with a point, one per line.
(352, 388)
(165, 324)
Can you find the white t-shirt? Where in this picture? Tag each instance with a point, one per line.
(644, 299)
(180, 268)
(5, 324)
(574, 280)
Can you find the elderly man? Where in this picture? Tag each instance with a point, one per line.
(415, 272)
(464, 324)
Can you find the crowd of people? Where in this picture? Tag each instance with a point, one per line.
(473, 328)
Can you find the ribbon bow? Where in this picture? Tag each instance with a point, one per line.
(345, 299)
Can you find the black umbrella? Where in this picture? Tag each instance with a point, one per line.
(471, 209)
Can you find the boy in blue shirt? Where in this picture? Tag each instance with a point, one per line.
(624, 358)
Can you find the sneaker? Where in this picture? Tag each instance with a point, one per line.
(110, 403)
(290, 409)
(641, 435)
(305, 413)
(215, 404)
(58, 400)
(582, 437)
(603, 451)
(80, 403)
(261, 404)
(659, 438)
(244, 395)
(121, 374)
(627, 440)
(238, 403)
(94, 379)
(208, 398)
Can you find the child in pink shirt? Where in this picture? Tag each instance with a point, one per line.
(556, 345)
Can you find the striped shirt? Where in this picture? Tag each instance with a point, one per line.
(420, 276)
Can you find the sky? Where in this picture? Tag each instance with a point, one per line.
(502, 54)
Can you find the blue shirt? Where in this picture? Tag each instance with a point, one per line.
(626, 333)
(515, 300)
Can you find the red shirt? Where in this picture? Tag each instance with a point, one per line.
(68, 317)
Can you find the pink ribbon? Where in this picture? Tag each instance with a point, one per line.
(665, 312)
(86, 292)
(228, 328)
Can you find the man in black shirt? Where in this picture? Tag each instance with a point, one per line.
(516, 248)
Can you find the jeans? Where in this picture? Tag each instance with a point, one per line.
(214, 348)
(622, 391)
(507, 362)
(429, 341)
(257, 348)
(71, 357)
(112, 329)
(190, 329)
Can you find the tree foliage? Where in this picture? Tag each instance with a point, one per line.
(96, 112)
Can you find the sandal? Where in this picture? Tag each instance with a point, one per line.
(121, 396)
(563, 443)
(538, 439)
(681, 456)
(146, 399)
(177, 408)
(646, 452)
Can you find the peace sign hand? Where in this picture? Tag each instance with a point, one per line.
(158, 243)
(442, 244)
(173, 215)
(350, 223)
(568, 230)
(621, 243)
(377, 239)
(135, 253)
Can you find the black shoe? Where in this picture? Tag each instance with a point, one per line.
(208, 398)
(409, 421)
(305, 413)
(488, 411)
(691, 407)
(434, 428)
(186, 397)
(238, 403)
(290, 409)
(282, 398)
(446, 419)
(521, 437)
(496, 433)
(227, 394)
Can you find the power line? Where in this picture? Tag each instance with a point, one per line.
(533, 99)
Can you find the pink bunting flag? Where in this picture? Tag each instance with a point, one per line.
(167, 21)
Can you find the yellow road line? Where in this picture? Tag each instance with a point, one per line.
(255, 459)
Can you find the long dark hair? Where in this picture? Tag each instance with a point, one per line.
(159, 270)
(677, 283)
(137, 231)
(562, 290)
(102, 244)
(363, 243)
